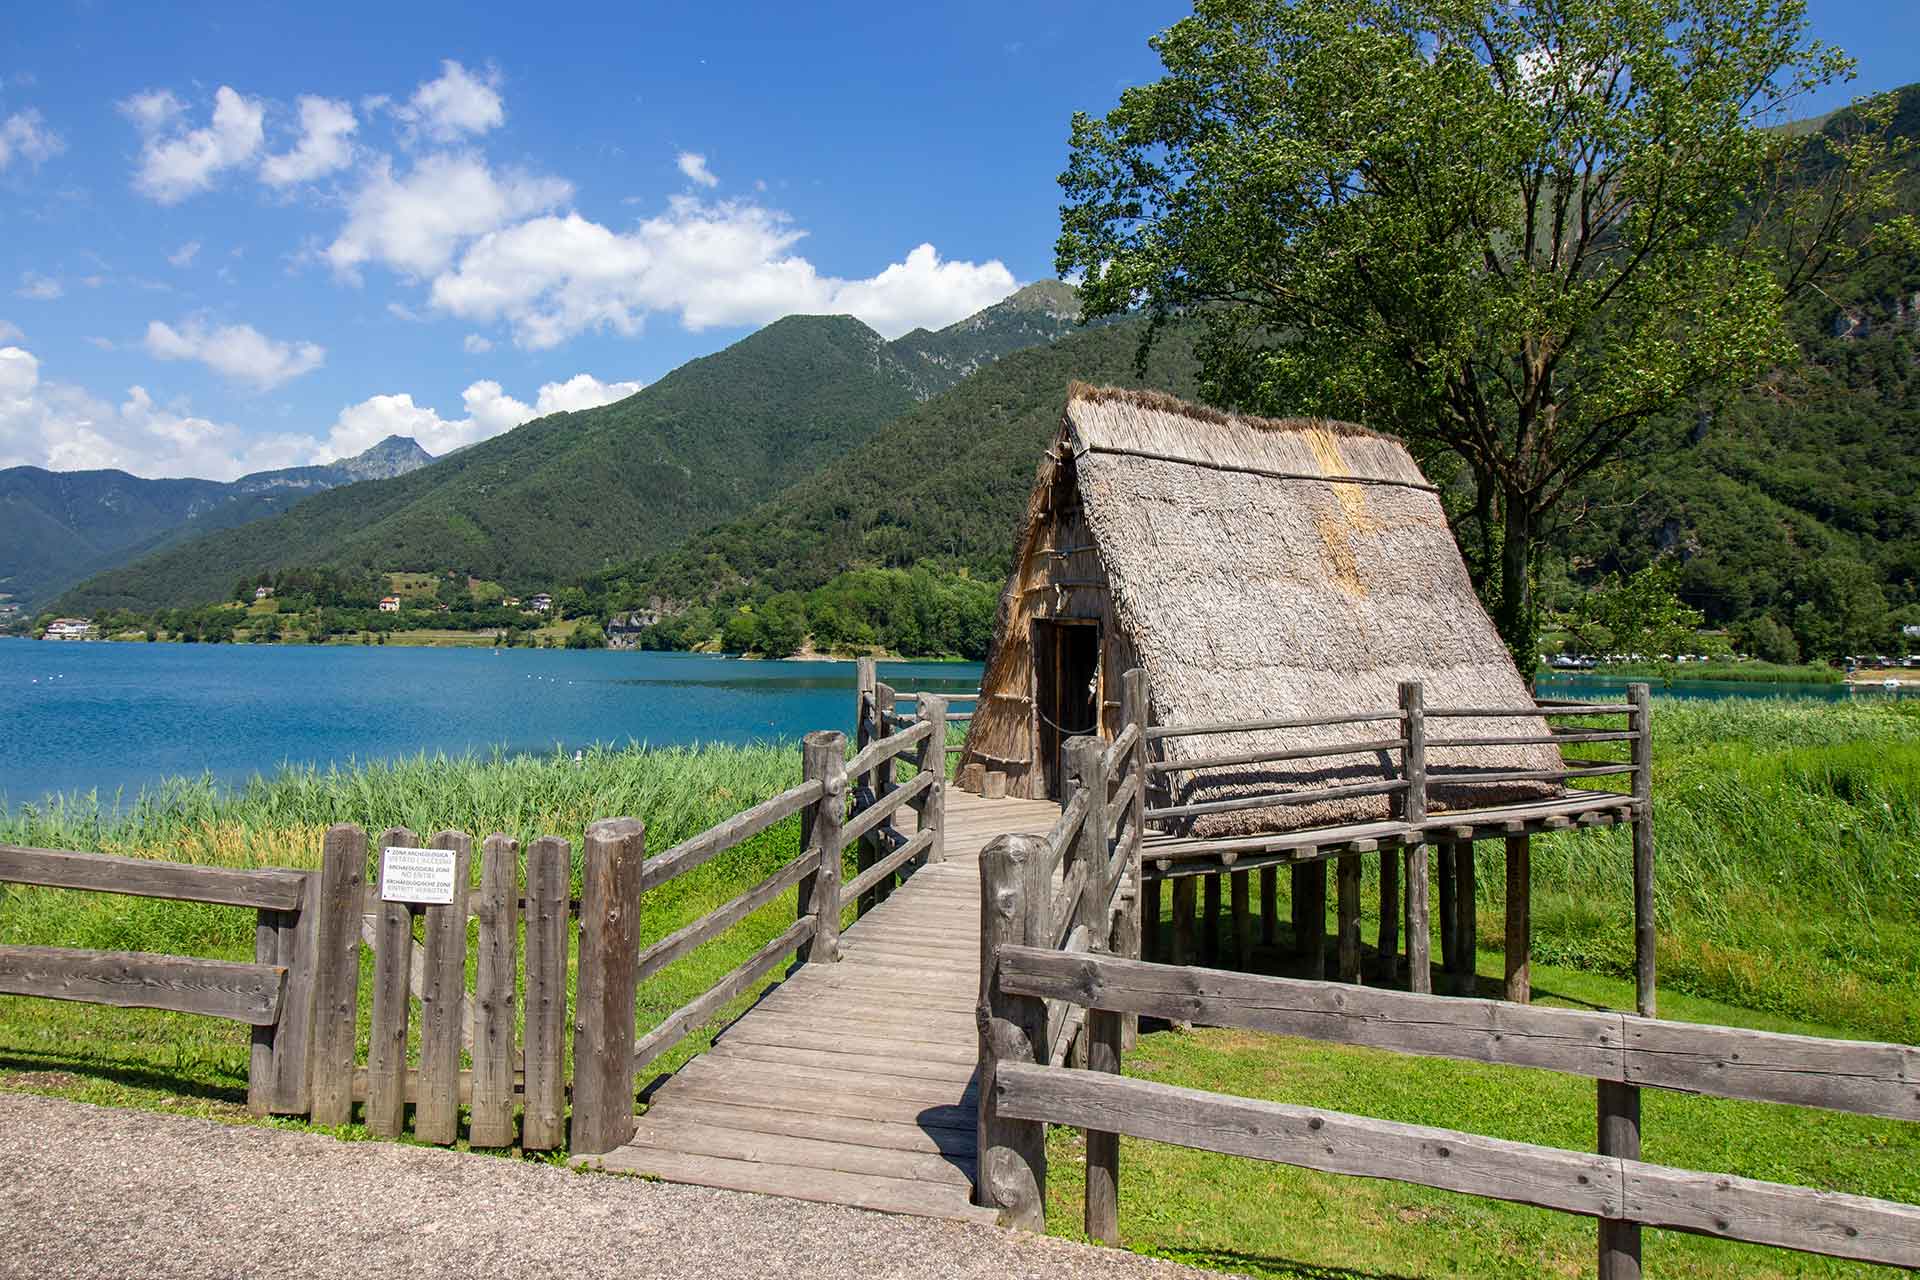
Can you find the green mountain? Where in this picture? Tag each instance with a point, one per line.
(58, 527)
(570, 494)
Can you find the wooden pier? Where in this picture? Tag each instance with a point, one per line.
(852, 1083)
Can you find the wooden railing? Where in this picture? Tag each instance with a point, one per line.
(1022, 1092)
(883, 736)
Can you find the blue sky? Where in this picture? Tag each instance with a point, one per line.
(237, 237)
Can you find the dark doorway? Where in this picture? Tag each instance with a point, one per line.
(1066, 679)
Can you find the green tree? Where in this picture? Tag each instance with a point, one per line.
(1641, 614)
(1519, 233)
(1770, 640)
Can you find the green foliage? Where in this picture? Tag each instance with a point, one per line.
(1518, 233)
(1641, 614)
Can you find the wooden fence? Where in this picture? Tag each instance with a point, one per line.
(1028, 974)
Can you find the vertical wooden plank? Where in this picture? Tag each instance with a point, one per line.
(436, 1110)
(1013, 1153)
(1619, 1109)
(1314, 919)
(1242, 923)
(293, 1037)
(603, 1026)
(932, 805)
(823, 755)
(491, 1120)
(1641, 722)
(336, 988)
(1519, 954)
(1270, 906)
(1153, 942)
(1419, 923)
(1389, 945)
(1348, 916)
(1133, 711)
(1413, 811)
(1103, 1149)
(1466, 866)
(386, 1108)
(260, 1059)
(873, 846)
(1183, 896)
(549, 876)
(1210, 922)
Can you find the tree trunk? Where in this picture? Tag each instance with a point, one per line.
(1516, 618)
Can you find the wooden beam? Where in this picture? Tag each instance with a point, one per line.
(148, 878)
(249, 993)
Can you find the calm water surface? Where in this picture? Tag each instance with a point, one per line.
(113, 717)
(1580, 686)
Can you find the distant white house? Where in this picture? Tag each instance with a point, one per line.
(70, 629)
(542, 603)
(262, 593)
(389, 604)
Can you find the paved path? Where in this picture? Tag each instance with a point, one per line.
(93, 1192)
(852, 1083)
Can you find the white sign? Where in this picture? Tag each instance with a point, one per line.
(417, 875)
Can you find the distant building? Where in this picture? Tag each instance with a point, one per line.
(511, 602)
(70, 629)
(542, 603)
(389, 604)
(262, 593)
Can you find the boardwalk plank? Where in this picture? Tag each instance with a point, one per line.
(862, 1191)
(698, 1138)
(884, 1063)
(885, 1134)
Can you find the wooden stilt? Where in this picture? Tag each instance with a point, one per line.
(1519, 919)
(1297, 906)
(1210, 924)
(1269, 906)
(1389, 916)
(1449, 918)
(1467, 904)
(1348, 912)
(1242, 923)
(1314, 925)
(1183, 896)
(1419, 926)
(1153, 943)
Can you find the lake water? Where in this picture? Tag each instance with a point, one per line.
(1581, 686)
(113, 717)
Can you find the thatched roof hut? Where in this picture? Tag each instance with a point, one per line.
(1256, 569)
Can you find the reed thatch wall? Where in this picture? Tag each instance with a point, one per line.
(1262, 569)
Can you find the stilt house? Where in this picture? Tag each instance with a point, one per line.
(1256, 570)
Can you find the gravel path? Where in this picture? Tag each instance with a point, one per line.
(98, 1192)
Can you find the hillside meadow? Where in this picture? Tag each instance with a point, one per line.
(1788, 898)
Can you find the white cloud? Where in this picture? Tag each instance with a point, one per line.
(694, 165)
(38, 288)
(175, 164)
(11, 333)
(236, 351)
(456, 104)
(401, 311)
(474, 344)
(66, 428)
(489, 411)
(711, 263)
(104, 344)
(414, 222)
(326, 131)
(25, 136)
(185, 254)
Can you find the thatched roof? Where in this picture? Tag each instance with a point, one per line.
(1269, 569)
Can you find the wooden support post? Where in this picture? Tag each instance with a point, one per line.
(604, 998)
(1619, 1136)
(1298, 893)
(823, 755)
(1183, 896)
(1269, 906)
(865, 680)
(1449, 916)
(1466, 899)
(1348, 913)
(549, 882)
(1084, 770)
(1640, 721)
(260, 1058)
(1413, 811)
(494, 989)
(1013, 1153)
(1103, 1149)
(1242, 923)
(1519, 919)
(386, 1109)
(1210, 923)
(1389, 945)
(1134, 711)
(1314, 918)
(880, 784)
(1153, 940)
(336, 973)
(436, 1109)
(932, 805)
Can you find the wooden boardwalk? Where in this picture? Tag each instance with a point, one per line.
(852, 1083)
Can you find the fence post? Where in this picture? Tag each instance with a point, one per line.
(1102, 1032)
(1414, 813)
(436, 1112)
(1466, 900)
(1619, 1136)
(336, 972)
(1014, 885)
(932, 805)
(549, 882)
(386, 1109)
(1640, 721)
(1519, 947)
(604, 996)
(494, 992)
(879, 784)
(1086, 770)
(1138, 923)
(1347, 912)
(824, 756)
(865, 681)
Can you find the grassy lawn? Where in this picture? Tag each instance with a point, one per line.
(1788, 898)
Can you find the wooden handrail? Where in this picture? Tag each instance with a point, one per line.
(264, 889)
(1274, 757)
(873, 875)
(1158, 731)
(881, 750)
(1276, 799)
(249, 993)
(1116, 752)
(723, 836)
(1066, 828)
(866, 819)
(702, 1007)
(724, 917)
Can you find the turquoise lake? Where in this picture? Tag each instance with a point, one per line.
(114, 717)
